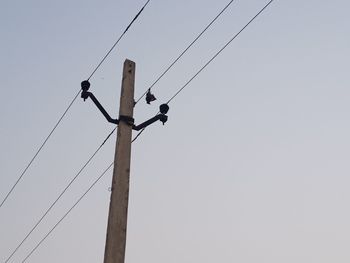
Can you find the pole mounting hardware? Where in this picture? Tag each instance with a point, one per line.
(163, 109)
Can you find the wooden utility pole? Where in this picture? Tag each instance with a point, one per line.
(118, 208)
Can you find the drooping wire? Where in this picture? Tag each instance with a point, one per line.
(120, 37)
(53, 228)
(93, 72)
(211, 60)
(184, 51)
(39, 150)
(143, 129)
(60, 195)
(218, 53)
(67, 109)
(137, 135)
(66, 214)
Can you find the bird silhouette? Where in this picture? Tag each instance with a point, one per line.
(150, 97)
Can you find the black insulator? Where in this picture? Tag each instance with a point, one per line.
(85, 94)
(164, 108)
(163, 118)
(85, 85)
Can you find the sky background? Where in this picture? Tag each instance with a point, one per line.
(252, 165)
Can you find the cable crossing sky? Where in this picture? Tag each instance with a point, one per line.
(210, 60)
(60, 195)
(185, 50)
(69, 106)
(89, 160)
(69, 210)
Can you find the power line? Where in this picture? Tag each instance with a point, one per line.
(185, 50)
(218, 53)
(39, 150)
(206, 64)
(65, 215)
(60, 195)
(178, 58)
(69, 106)
(53, 228)
(53, 204)
(120, 37)
(180, 90)
(137, 135)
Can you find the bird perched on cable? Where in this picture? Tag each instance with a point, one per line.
(150, 97)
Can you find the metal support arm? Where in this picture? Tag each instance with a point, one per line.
(87, 94)
(161, 117)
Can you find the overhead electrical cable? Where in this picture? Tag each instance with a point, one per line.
(120, 37)
(185, 50)
(66, 214)
(39, 150)
(59, 197)
(218, 53)
(212, 58)
(69, 106)
(173, 97)
(138, 134)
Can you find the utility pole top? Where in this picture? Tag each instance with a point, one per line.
(118, 208)
(126, 107)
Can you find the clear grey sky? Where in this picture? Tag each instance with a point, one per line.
(252, 166)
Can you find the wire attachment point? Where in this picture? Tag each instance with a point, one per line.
(85, 85)
(164, 108)
(127, 119)
(163, 118)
